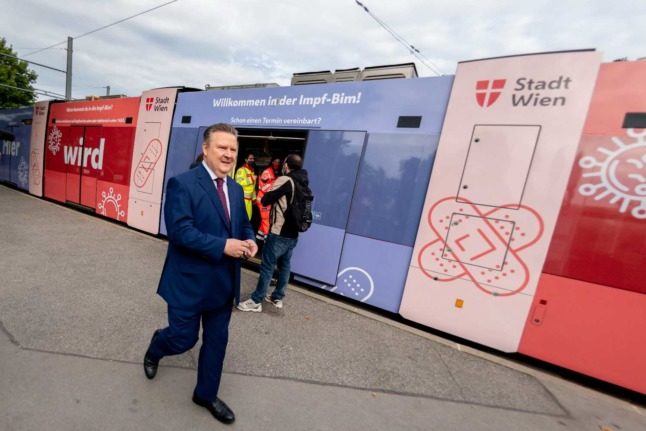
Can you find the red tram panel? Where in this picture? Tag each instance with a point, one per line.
(88, 154)
(588, 311)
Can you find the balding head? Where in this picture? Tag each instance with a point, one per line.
(294, 162)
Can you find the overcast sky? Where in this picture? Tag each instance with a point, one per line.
(223, 42)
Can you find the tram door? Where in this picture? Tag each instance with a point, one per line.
(332, 161)
(91, 155)
(7, 144)
(72, 145)
(79, 156)
(19, 166)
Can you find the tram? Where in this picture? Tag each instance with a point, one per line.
(505, 204)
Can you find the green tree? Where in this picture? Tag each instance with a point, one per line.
(14, 73)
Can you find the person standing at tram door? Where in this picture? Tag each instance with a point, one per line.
(208, 233)
(283, 234)
(265, 182)
(246, 177)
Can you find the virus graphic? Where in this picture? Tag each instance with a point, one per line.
(621, 175)
(114, 201)
(23, 173)
(355, 283)
(54, 140)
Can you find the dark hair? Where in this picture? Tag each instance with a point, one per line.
(197, 161)
(294, 162)
(219, 127)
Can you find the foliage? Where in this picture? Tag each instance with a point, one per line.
(14, 73)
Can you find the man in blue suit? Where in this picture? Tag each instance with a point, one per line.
(208, 233)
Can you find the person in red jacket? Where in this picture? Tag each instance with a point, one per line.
(265, 181)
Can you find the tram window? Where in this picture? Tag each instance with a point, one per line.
(391, 187)
(6, 136)
(634, 120)
(409, 122)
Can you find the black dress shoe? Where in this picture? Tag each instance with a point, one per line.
(150, 365)
(218, 409)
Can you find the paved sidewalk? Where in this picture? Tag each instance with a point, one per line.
(78, 307)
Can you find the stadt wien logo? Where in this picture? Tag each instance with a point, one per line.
(149, 103)
(488, 91)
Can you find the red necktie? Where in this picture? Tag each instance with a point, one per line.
(223, 198)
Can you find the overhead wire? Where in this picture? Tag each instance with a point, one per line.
(31, 62)
(101, 28)
(37, 91)
(412, 49)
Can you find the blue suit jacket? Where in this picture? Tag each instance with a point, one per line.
(197, 275)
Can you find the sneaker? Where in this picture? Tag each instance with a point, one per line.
(278, 303)
(249, 305)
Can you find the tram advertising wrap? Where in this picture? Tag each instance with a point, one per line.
(510, 137)
(505, 205)
(149, 158)
(88, 154)
(589, 311)
(15, 134)
(37, 148)
(368, 148)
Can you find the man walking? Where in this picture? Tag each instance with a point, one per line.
(282, 238)
(208, 232)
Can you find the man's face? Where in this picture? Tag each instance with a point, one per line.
(276, 164)
(250, 159)
(220, 152)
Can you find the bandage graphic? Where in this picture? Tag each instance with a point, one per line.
(484, 247)
(35, 167)
(147, 162)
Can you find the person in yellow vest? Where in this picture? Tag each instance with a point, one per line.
(246, 177)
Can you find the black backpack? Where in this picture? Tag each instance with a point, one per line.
(299, 210)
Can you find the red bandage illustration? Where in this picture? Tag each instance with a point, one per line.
(147, 162)
(483, 247)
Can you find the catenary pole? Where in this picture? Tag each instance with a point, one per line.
(68, 72)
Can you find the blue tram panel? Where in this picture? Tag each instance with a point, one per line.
(369, 149)
(15, 136)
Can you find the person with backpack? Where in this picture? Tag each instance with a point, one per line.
(291, 213)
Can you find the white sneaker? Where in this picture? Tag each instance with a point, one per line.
(249, 305)
(278, 303)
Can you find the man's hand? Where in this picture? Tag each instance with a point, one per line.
(253, 248)
(240, 249)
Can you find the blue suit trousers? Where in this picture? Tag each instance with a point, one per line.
(182, 334)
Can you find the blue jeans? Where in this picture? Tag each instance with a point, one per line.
(276, 251)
